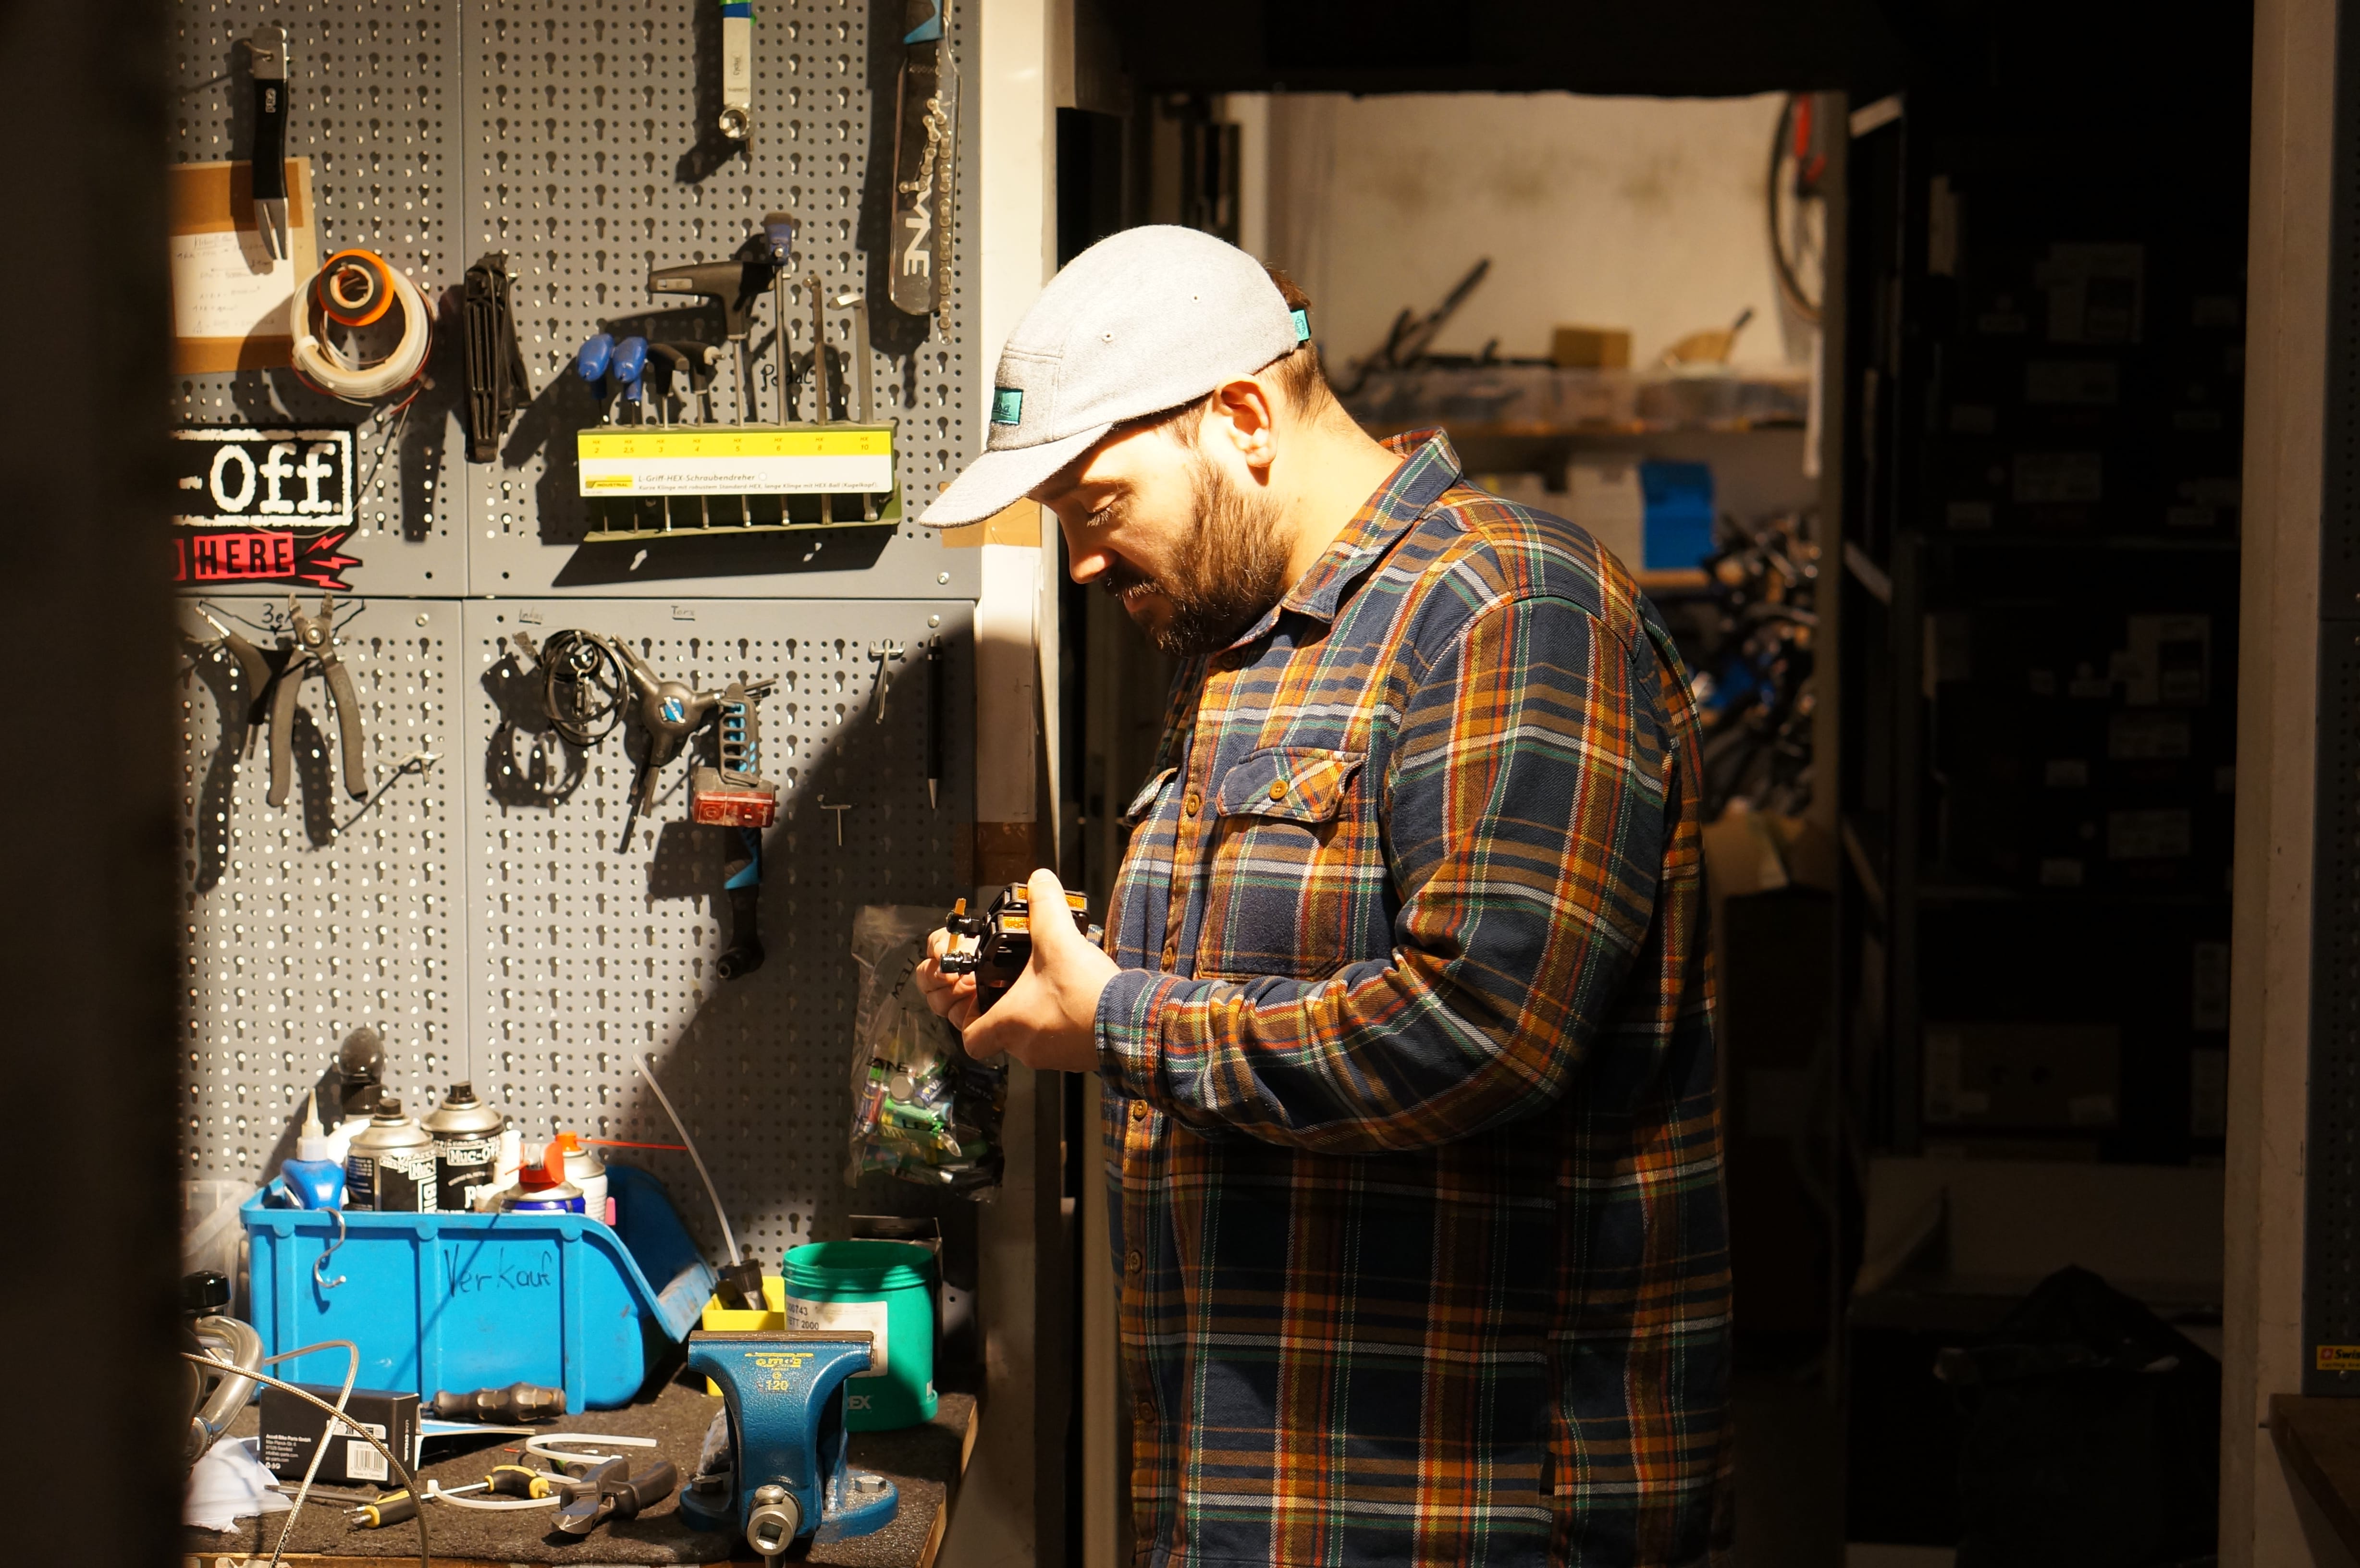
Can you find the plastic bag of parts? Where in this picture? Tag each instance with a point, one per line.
(921, 1109)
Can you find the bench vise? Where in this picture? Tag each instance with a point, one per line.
(784, 1393)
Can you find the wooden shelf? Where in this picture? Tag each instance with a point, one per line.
(2208, 544)
(1673, 580)
(1464, 431)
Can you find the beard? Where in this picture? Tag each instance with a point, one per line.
(1236, 571)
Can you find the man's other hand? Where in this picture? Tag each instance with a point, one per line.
(950, 997)
(1048, 1018)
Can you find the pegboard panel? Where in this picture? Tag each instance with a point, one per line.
(591, 158)
(490, 931)
(2330, 1291)
(308, 920)
(2332, 1250)
(583, 957)
(373, 100)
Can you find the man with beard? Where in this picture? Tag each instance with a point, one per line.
(1405, 1020)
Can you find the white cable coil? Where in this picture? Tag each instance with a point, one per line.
(325, 365)
(435, 1494)
(544, 1444)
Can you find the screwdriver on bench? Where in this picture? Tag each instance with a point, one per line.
(505, 1480)
(524, 1481)
(396, 1507)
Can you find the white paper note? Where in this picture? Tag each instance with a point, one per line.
(224, 286)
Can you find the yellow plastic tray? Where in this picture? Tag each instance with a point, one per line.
(717, 1316)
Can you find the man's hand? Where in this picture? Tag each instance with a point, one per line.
(1048, 1018)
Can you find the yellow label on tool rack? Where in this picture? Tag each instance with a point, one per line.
(2338, 1357)
(736, 460)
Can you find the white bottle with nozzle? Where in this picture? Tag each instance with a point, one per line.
(504, 1173)
(316, 1175)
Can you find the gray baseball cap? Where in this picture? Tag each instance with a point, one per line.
(1143, 320)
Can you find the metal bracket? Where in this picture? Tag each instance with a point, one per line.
(883, 651)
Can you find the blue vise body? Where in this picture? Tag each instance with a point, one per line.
(784, 1390)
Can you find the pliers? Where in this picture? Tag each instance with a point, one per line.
(313, 643)
(610, 1492)
(278, 679)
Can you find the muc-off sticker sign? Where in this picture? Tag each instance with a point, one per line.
(262, 505)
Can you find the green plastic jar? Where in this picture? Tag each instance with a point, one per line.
(887, 1288)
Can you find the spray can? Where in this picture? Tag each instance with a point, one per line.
(466, 1134)
(505, 1167)
(391, 1166)
(313, 1176)
(587, 1171)
(360, 1074)
(542, 1187)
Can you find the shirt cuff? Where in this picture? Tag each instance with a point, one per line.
(1125, 1030)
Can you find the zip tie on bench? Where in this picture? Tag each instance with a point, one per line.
(435, 1494)
(535, 1445)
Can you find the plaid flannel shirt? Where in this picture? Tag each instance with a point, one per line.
(1412, 1124)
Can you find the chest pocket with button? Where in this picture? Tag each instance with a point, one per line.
(1144, 804)
(1288, 891)
(1119, 910)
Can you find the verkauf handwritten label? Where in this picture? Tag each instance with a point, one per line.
(471, 1273)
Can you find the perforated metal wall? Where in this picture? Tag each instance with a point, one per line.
(581, 957)
(308, 921)
(577, 137)
(374, 96)
(489, 931)
(2331, 1307)
(590, 158)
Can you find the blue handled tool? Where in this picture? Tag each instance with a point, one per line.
(591, 359)
(628, 366)
(787, 1478)
(590, 362)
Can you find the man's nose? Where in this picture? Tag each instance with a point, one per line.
(1085, 562)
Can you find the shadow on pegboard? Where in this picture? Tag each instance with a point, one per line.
(772, 553)
(316, 789)
(545, 768)
(712, 151)
(687, 862)
(278, 396)
(736, 1075)
(547, 426)
(422, 426)
(217, 791)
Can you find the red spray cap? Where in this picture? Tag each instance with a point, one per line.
(549, 1172)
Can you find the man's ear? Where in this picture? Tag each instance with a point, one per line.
(1248, 412)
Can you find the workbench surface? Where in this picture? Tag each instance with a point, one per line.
(922, 1461)
(2320, 1441)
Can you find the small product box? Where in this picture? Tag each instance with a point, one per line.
(293, 1429)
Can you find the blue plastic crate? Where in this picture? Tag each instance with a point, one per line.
(1679, 513)
(464, 1301)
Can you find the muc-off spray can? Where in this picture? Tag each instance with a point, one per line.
(391, 1166)
(466, 1137)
